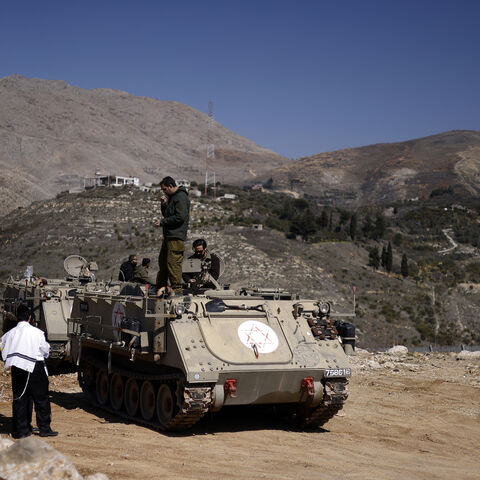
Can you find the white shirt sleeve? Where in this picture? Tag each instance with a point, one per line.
(44, 347)
(2, 345)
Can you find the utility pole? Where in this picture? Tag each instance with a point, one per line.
(210, 159)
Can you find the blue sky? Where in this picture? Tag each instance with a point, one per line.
(298, 77)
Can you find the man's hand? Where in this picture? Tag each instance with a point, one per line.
(157, 223)
(163, 199)
(163, 292)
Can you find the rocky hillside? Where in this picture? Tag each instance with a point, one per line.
(387, 172)
(52, 135)
(108, 224)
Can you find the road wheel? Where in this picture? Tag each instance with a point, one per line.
(165, 404)
(87, 377)
(102, 387)
(116, 391)
(132, 396)
(147, 400)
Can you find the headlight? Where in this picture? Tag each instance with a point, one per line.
(324, 308)
(179, 309)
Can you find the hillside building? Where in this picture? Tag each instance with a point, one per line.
(183, 183)
(100, 180)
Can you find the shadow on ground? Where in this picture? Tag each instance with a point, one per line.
(232, 419)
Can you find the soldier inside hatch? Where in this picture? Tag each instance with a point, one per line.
(210, 266)
(141, 274)
(127, 269)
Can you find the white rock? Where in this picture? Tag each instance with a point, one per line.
(468, 354)
(397, 350)
(31, 458)
(362, 351)
(389, 365)
(374, 364)
(5, 443)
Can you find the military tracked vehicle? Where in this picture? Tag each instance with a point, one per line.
(165, 362)
(51, 301)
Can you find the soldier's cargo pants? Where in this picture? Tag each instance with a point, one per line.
(170, 261)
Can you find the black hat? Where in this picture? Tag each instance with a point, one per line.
(24, 312)
(145, 262)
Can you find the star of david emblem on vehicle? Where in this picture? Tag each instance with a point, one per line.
(257, 334)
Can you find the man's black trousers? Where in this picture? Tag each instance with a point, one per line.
(36, 392)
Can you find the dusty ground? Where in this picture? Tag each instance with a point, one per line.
(408, 417)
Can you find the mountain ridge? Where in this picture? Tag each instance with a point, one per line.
(387, 172)
(52, 135)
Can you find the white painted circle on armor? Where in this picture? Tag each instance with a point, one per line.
(196, 376)
(256, 333)
(21, 294)
(118, 314)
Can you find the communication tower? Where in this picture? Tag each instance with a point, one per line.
(210, 160)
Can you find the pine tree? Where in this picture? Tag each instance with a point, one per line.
(404, 266)
(353, 226)
(344, 217)
(374, 258)
(384, 257)
(302, 225)
(367, 227)
(323, 219)
(288, 211)
(379, 229)
(389, 262)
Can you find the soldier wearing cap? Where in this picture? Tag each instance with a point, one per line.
(141, 274)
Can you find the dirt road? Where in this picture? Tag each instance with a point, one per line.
(408, 417)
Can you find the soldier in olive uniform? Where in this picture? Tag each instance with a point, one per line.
(210, 266)
(141, 274)
(175, 206)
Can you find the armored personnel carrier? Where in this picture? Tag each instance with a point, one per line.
(165, 362)
(51, 300)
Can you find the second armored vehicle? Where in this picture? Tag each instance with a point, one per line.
(51, 300)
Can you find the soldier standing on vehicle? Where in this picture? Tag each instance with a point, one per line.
(24, 349)
(175, 206)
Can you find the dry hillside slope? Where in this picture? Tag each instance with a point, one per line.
(388, 172)
(53, 134)
(106, 225)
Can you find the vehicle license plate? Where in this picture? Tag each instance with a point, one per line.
(338, 372)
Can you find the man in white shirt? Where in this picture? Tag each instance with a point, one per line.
(24, 349)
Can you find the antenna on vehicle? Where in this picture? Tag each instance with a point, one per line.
(354, 291)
